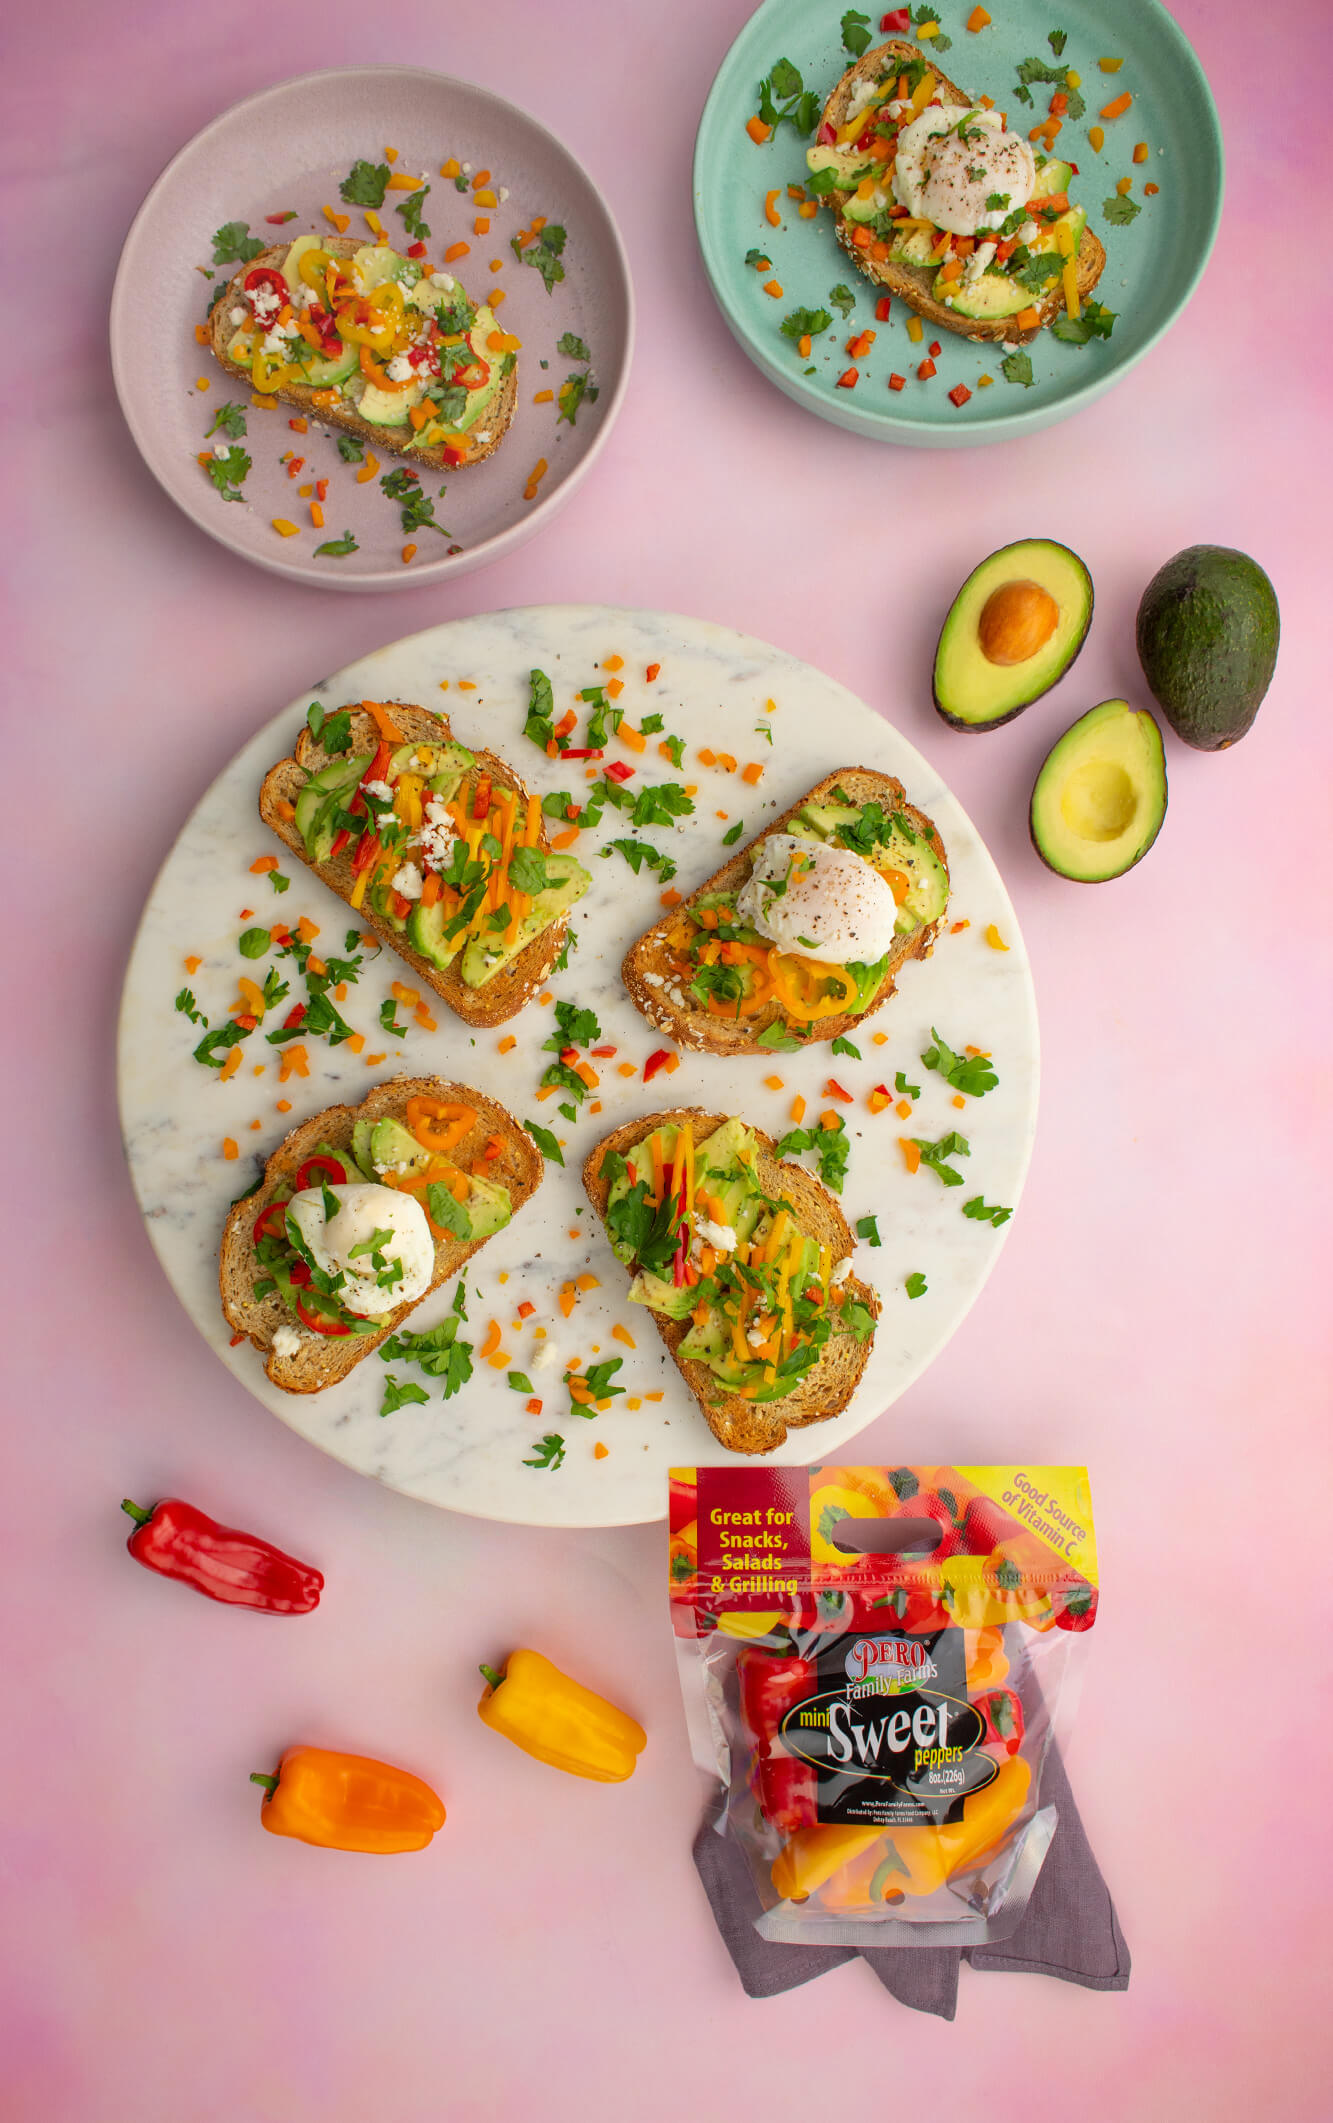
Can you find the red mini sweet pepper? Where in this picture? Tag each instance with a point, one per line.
(784, 1784)
(236, 1568)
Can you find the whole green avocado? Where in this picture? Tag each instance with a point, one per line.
(1207, 639)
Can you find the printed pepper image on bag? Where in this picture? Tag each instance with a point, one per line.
(873, 1661)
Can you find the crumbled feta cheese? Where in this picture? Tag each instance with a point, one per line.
(406, 880)
(380, 790)
(400, 369)
(483, 435)
(841, 1272)
(467, 169)
(720, 1237)
(286, 1341)
(756, 1337)
(1029, 232)
(977, 263)
(437, 834)
(237, 314)
(222, 449)
(444, 280)
(503, 192)
(547, 1357)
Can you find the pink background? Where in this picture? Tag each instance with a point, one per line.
(1160, 1309)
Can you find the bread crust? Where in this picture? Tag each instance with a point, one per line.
(323, 1360)
(307, 396)
(645, 968)
(912, 284)
(741, 1425)
(514, 984)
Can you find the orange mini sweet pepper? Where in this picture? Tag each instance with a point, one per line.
(348, 1802)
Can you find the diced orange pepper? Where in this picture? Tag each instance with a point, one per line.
(758, 131)
(1117, 107)
(911, 1154)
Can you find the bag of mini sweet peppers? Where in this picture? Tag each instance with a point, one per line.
(875, 1661)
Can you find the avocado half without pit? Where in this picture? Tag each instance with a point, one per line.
(1100, 798)
(1014, 628)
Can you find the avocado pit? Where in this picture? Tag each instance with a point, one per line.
(1016, 621)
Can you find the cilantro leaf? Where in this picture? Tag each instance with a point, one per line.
(639, 852)
(438, 1351)
(903, 1088)
(410, 210)
(540, 725)
(351, 448)
(213, 1046)
(415, 507)
(449, 1213)
(915, 1284)
(389, 1019)
(336, 547)
(1017, 368)
(577, 1027)
(528, 870)
(548, 1452)
(868, 1229)
(233, 241)
(1120, 207)
(842, 299)
(254, 943)
(971, 1074)
(399, 1393)
(231, 419)
(778, 1039)
(733, 833)
(572, 393)
(228, 473)
(855, 32)
(844, 1046)
(980, 1214)
(365, 183)
(545, 1142)
(1057, 40)
(544, 255)
(519, 1382)
(934, 1155)
(569, 343)
(644, 1232)
(1094, 323)
(185, 1002)
(803, 324)
(332, 732)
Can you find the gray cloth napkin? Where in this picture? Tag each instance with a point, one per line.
(1069, 1928)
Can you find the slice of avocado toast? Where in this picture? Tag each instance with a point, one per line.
(1014, 629)
(371, 341)
(476, 1171)
(744, 1263)
(709, 978)
(439, 849)
(1100, 796)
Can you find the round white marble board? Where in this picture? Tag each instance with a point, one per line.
(467, 1453)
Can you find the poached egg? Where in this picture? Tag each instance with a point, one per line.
(952, 159)
(335, 1243)
(819, 901)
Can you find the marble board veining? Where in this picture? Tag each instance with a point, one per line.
(467, 1454)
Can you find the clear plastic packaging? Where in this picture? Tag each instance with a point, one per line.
(875, 1662)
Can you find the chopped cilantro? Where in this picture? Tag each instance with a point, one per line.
(572, 393)
(254, 943)
(233, 241)
(996, 202)
(336, 547)
(545, 1142)
(844, 1046)
(980, 1214)
(389, 1018)
(528, 870)
(1120, 207)
(332, 732)
(231, 419)
(569, 343)
(519, 1382)
(1095, 322)
(855, 32)
(1017, 368)
(540, 726)
(930, 14)
(842, 299)
(448, 1212)
(934, 1155)
(733, 833)
(904, 1089)
(915, 1284)
(185, 1002)
(548, 1452)
(779, 1039)
(803, 324)
(410, 210)
(437, 1351)
(544, 254)
(351, 448)
(1057, 40)
(971, 1074)
(213, 1046)
(784, 99)
(639, 852)
(415, 507)
(399, 1393)
(575, 1027)
(830, 1146)
(228, 473)
(365, 183)
(868, 1229)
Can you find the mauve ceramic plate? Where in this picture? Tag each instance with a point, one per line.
(289, 148)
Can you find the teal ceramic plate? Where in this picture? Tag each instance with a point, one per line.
(1154, 262)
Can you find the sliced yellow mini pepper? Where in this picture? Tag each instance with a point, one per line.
(348, 1802)
(555, 1720)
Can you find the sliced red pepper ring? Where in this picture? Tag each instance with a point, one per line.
(271, 1222)
(327, 1167)
(317, 1322)
(267, 277)
(474, 375)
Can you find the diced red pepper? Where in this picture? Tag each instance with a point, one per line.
(604, 1053)
(926, 370)
(658, 1059)
(833, 1089)
(934, 350)
(246, 1021)
(318, 1322)
(569, 1055)
(340, 840)
(618, 771)
(416, 250)
(897, 383)
(959, 395)
(583, 752)
(882, 309)
(826, 135)
(481, 801)
(294, 1017)
(367, 851)
(278, 219)
(848, 379)
(896, 21)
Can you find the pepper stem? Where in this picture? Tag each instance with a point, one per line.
(270, 1784)
(136, 1511)
(492, 1676)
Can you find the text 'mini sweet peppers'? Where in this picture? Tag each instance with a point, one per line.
(556, 1720)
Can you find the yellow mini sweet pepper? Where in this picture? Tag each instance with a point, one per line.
(813, 1855)
(555, 1720)
(348, 1802)
(888, 1864)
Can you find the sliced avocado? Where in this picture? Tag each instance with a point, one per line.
(291, 264)
(438, 763)
(484, 955)
(729, 1149)
(662, 1296)
(992, 295)
(1100, 797)
(322, 372)
(393, 1148)
(915, 247)
(375, 263)
(848, 164)
(389, 409)
(425, 933)
(1014, 628)
(488, 1206)
(1053, 176)
(318, 800)
(362, 1130)
(1207, 637)
(858, 209)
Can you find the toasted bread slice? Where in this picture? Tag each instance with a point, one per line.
(322, 1360)
(514, 983)
(759, 1426)
(912, 284)
(397, 441)
(654, 988)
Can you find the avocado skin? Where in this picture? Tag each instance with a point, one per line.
(1207, 636)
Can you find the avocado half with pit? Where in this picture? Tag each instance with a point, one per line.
(1014, 628)
(1100, 798)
